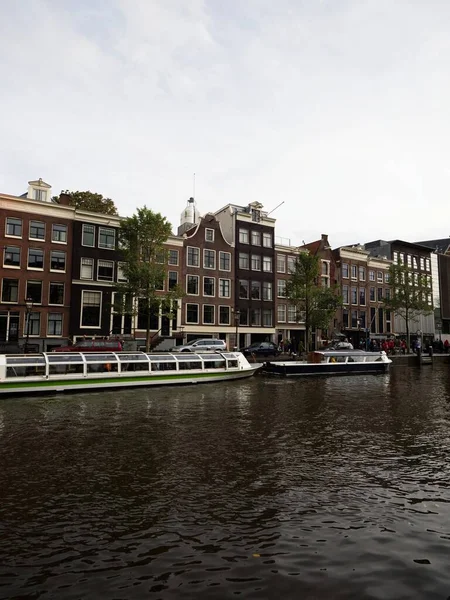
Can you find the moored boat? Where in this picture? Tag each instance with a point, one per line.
(329, 362)
(72, 371)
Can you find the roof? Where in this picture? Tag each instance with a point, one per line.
(441, 246)
(414, 245)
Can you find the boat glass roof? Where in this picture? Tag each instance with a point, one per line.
(25, 360)
(61, 357)
(187, 357)
(132, 357)
(160, 357)
(100, 357)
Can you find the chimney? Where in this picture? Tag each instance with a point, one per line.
(64, 199)
(325, 238)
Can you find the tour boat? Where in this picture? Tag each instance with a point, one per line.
(329, 362)
(72, 371)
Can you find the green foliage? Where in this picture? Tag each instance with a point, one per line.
(141, 239)
(315, 303)
(409, 295)
(90, 201)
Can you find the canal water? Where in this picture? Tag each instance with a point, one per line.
(308, 489)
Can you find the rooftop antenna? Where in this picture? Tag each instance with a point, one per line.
(273, 209)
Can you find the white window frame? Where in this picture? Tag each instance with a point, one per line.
(263, 314)
(11, 235)
(257, 259)
(278, 288)
(29, 230)
(256, 238)
(220, 288)
(267, 260)
(64, 292)
(27, 295)
(283, 260)
(270, 288)
(171, 264)
(347, 276)
(290, 309)
(209, 235)
(99, 326)
(111, 263)
(20, 257)
(53, 230)
(354, 272)
(248, 289)
(203, 314)
(221, 253)
(188, 293)
(82, 235)
(18, 290)
(43, 261)
(291, 264)
(107, 247)
(248, 261)
(267, 237)
(120, 272)
(213, 295)
(55, 335)
(229, 314)
(25, 324)
(65, 262)
(372, 275)
(256, 282)
(205, 250)
(282, 319)
(168, 279)
(186, 312)
(243, 233)
(187, 257)
(92, 268)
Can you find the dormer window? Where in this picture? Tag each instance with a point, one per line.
(256, 215)
(40, 195)
(209, 235)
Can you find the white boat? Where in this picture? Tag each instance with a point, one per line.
(72, 371)
(331, 362)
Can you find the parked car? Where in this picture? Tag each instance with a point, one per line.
(201, 345)
(92, 346)
(261, 349)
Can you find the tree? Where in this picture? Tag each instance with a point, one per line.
(409, 295)
(89, 201)
(142, 238)
(315, 302)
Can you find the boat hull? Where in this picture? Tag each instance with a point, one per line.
(310, 369)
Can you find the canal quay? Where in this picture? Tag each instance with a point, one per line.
(334, 488)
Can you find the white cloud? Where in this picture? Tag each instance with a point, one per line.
(339, 109)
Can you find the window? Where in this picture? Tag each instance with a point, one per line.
(91, 303)
(281, 313)
(173, 258)
(34, 291)
(256, 262)
(11, 256)
(88, 236)
(388, 321)
(380, 277)
(105, 270)
(35, 258)
(291, 264)
(409, 260)
(354, 319)
(292, 314)
(281, 263)
(173, 280)
(415, 262)
(121, 272)
(10, 290)
(362, 274)
(40, 195)
(87, 268)
(395, 257)
(362, 296)
(256, 215)
(54, 324)
(371, 275)
(37, 230)
(56, 293)
(380, 294)
(267, 240)
(193, 257)
(267, 317)
(57, 260)
(345, 270)
(354, 293)
(267, 264)
(160, 257)
(159, 283)
(243, 261)
(372, 294)
(401, 258)
(224, 315)
(243, 289)
(267, 290)
(59, 233)
(345, 294)
(244, 317)
(243, 236)
(422, 263)
(256, 238)
(255, 317)
(192, 285)
(387, 277)
(191, 313)
(224, 288)
(209, 284)
(208, 314)
(34, 323)
(209, 235)
(256, 290)
(13, 227)
(387, 294)
(428, 264)
(281, 288)
(325, 268)
(224, 261)
(354, 272)
(209, 259)
(345, 317)
(106, 238)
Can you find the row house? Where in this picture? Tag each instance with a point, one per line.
(36, 244)
(207, 309)
(365, 285)
(251, 231)
(419, 259)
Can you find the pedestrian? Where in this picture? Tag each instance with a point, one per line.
(446, 345)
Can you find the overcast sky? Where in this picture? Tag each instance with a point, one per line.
(339, 108)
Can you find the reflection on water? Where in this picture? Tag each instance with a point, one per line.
(315, 488)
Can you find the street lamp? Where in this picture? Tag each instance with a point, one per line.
(29, 308)
(237, 314)
(358, 324)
